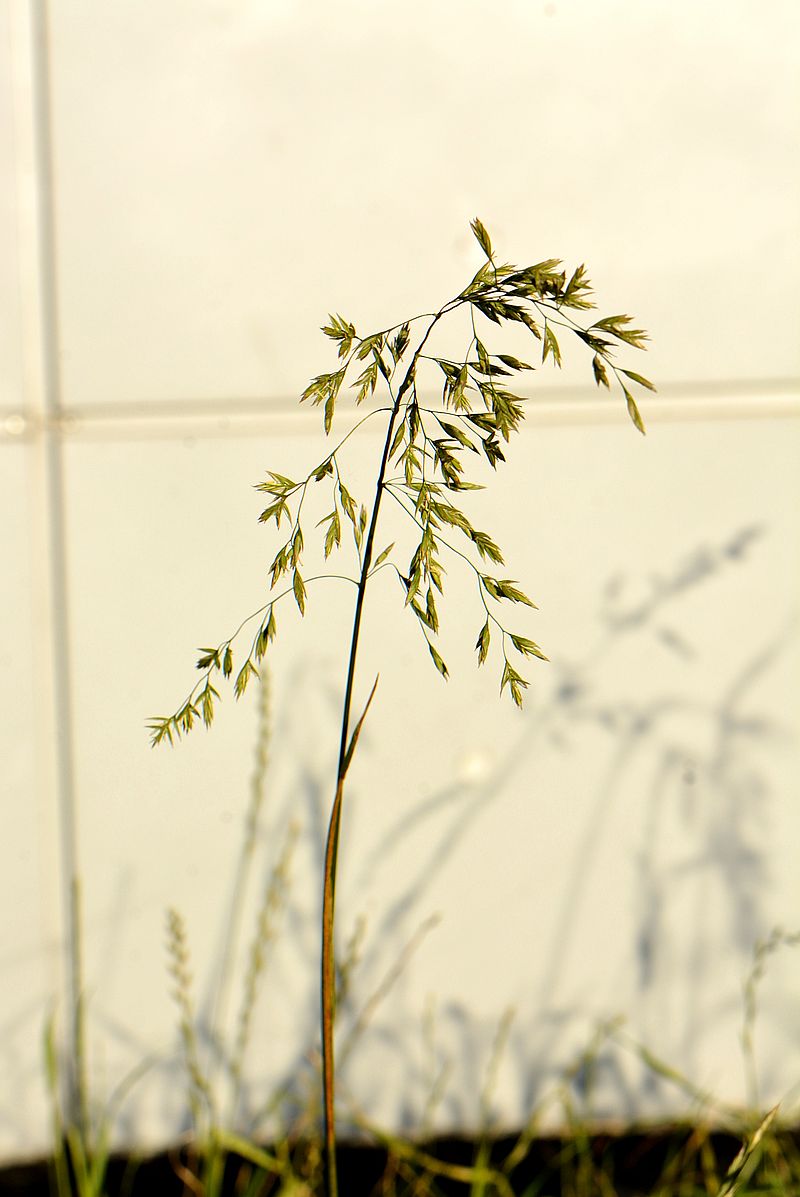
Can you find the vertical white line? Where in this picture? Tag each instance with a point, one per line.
(43, 394)
(32, 400)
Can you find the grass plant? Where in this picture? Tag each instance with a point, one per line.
(82, 1139)
(421, 470)
(205, 1164)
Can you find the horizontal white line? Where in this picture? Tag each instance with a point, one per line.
(238, 418)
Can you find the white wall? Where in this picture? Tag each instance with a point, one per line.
(184, 194)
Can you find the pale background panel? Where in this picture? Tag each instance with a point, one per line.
(639, 819)
(226, 174)
(616, 849)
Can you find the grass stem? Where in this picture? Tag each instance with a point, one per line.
(347, 746)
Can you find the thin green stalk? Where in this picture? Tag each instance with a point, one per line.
(80, 1079)
(346, 748)
(233, 928)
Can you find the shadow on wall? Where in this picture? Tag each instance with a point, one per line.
(703, 800)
